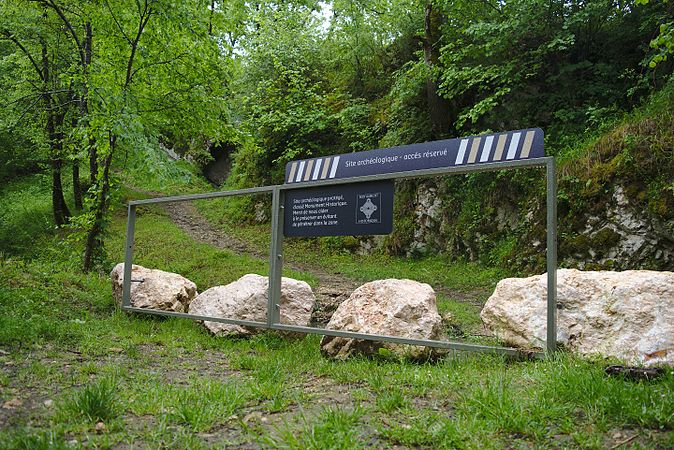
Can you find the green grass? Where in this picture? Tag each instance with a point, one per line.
(158, 382)
(159, 244)
(333, 428)
(95, 402)
(330, 254)
(25, 214)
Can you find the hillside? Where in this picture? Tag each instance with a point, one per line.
(615, 203)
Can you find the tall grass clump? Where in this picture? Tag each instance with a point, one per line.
(334, 428)
(96, 402)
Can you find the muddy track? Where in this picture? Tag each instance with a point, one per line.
(331, 290)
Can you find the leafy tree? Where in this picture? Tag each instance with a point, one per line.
(41, 88)
(284, 90)
(109, 75)
(153, 74)
(554, 64)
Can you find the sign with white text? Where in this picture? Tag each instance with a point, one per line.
(345, 210)
(493, 148)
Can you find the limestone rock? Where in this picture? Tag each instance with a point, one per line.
(627, 315)
(246, 299)
(391, 307)
(154, 289)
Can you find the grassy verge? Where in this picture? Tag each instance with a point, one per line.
(161, 245)
(75, 372)
(336, 255)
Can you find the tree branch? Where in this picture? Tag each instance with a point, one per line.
(114, 18)
(53, 5)
(144, 18)
(12, 38)
(159, 63)
(35, 94)
(25, 112)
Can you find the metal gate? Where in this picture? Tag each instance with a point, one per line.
(276, 252)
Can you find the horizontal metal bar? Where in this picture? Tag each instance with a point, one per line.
(454, 170)
(346, 334)
(188, 197)
(158, 312)
(403, 340)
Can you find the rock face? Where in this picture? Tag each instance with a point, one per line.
(614, 230)
(622, 234)
(628, 315)
(428, 219)
(391, 307)
(154, 289)
(246, 299)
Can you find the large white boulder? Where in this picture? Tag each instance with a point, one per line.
(627, 315)
(154, 289)
(246, 299)
(404, 308)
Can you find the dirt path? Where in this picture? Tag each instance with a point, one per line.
(332, 288)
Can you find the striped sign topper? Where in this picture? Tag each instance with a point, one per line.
(492, 148)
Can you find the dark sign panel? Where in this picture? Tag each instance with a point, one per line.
(493, 148)
(345, 210)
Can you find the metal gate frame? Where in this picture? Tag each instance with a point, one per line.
(276, 254)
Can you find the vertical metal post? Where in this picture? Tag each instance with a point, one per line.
(275, 258)
(128, 257)
(551, 204)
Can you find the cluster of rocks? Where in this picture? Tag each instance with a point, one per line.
(625, 315)
(385, 307)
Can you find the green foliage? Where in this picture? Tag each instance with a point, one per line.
(147, 164)
(664, 44)
(543, 63)
(284, 94)
(409, 119)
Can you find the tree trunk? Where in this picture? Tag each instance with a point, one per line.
(210, 18)
(59, 206)
(77, 187)
(55, 137)
(84, 101)
(438, 108)
(94, 243)
(61, 212)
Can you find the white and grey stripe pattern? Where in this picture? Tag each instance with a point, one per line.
(313, 169)
(478, 149)
(493, 148)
